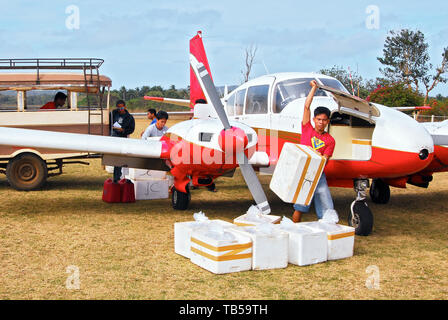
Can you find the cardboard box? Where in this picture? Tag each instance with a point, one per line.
(221, 252)
(143, 174)
(269, 248)
(151, 189)
(183, 230)
(340, 239)
(306, 245)
(361, 149)
(297, 173)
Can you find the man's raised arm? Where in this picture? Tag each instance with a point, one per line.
(306, 111)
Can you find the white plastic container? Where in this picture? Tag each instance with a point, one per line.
(183, 230)
(220, 252)
(306, 245)
(144, 174)
(296, 174)
(269, 246)
(109, 169)
(151, 189)
(361, 149)
(247, 220)
(340, 238)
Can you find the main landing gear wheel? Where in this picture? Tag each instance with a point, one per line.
(180, 200)
(26, 172)
(361, 218)
(379, 191)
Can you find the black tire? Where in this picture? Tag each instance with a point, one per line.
(361, 218)
(26, 172)
(379, 191)
(180, 200)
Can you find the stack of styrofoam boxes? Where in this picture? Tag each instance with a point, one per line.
(149, 184)
(269, 246)
(306, 245)
(340, 238)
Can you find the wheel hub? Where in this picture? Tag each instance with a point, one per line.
(26, 172)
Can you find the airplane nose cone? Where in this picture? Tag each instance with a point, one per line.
(233, 140)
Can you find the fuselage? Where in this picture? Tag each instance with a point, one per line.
(384, 143)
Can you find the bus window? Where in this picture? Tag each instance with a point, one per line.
(8, 100)
(239, 102)
(230, 105)
(257, 99)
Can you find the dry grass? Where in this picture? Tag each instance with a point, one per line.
(125, 251)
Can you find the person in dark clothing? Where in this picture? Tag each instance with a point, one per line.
(123, 124)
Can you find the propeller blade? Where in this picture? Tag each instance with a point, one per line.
(209, 89)
(247, 170)
(440, 140)
(253, 183)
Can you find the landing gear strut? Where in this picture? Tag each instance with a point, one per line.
(379, 191)
(360, 217)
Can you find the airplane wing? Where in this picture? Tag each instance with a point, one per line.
(412, 108)
(178, 102)
(352, 102)
(81, 142)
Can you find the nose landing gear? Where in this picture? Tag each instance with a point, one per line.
(360, 217)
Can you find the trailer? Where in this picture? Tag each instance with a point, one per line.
(28, 168)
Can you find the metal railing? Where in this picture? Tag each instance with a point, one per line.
(429, 118)
(51, 63)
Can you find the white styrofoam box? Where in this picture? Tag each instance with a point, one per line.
(221, 252)
(183, 230)
(306, 245)
(296, 174)
(269, 248)
(124, 173)
(361, 149)
(151, 189)
(109, 169)
(247, 220)
(340, 238)
(144, 174)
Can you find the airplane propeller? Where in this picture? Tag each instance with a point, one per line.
(237, 135)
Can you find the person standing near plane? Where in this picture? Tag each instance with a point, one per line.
(322, 142)
(159, 128)
(151, 117)
(123, 124)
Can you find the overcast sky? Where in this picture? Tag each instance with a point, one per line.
(146, 42)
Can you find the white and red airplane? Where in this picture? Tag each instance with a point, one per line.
(248, 128)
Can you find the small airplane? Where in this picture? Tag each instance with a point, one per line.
(250, 125)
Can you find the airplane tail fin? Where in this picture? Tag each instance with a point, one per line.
(197, 49)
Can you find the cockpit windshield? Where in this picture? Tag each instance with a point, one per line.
(290, 90)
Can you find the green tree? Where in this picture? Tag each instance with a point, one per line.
(396, 95)
(406, 59)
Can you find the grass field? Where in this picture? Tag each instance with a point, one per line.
(126, 251)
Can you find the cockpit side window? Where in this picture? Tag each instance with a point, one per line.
(239, 102)
(230, 105)
(333, 83)
(290, 90)
(257, 99)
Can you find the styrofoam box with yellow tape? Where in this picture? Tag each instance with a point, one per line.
(144, 174)
(151, 189)
(183, 230)
(340, 238)
(219, 253)
(247, 220)
(306, 245)
(269, 249)
(361, 149)
(297, 173)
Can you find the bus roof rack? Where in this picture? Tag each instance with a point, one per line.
(51, 63)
